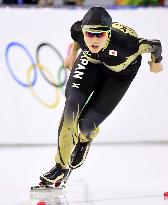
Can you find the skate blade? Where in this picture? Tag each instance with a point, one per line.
(46, 188)
(39, 192)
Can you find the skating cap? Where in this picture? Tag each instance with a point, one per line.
(97, 16)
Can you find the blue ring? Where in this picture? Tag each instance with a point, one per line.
(10, 68)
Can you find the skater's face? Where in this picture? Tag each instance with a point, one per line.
(95, 41)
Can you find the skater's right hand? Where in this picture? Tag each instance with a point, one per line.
(70, 59)
(155, 67)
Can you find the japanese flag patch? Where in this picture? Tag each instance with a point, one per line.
(112, 53)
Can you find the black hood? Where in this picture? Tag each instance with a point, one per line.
(97, 16)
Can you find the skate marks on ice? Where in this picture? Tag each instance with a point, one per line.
(82, 194)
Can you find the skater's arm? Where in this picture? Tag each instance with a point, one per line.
(155, 48)
(69, 61)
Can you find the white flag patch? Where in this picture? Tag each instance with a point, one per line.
(112, 52)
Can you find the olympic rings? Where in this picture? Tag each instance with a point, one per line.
(56, 101)
(34, 65)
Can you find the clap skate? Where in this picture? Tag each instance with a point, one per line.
(79, 154)
(55, 178)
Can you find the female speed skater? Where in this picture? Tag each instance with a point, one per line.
(109, 60)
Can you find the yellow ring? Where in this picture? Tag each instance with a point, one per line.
(57, 98)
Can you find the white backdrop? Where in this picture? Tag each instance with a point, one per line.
(142, 115)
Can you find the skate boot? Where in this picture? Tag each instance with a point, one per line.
(79, 154)
(56, 177)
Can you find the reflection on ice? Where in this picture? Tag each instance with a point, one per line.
(50, 196)
(73, 193)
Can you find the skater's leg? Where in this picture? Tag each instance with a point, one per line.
(68, 128)
(79, 87)
(102, 103)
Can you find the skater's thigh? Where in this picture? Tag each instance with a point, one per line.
(105, 99)
(113, 89)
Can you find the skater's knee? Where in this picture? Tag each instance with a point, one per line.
(89, 122)
(85, 126)
(88, 130)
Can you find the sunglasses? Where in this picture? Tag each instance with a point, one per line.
(97, 34)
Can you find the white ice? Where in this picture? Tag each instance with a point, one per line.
(114, 174)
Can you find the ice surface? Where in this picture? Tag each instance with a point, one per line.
(117, 174)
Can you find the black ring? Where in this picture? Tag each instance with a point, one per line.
(60, 84)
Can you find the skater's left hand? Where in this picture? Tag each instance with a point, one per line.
(155, 67)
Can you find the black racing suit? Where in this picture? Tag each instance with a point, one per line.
(105, 78)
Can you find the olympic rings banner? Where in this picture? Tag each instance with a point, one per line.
(33, 45)
(36, 65)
